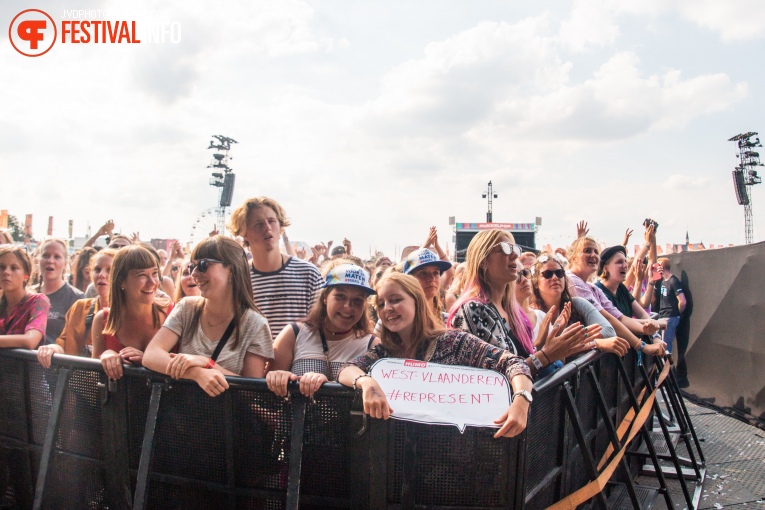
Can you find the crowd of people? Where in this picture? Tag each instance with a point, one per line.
(244, 306)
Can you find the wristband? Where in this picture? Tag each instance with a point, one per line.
(537, 363)
(640, 354)
(357, 378)
(210, 363)
(543, 353)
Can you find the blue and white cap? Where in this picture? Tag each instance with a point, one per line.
(349, 274)
(424, 257)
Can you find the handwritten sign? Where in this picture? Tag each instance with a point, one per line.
(442, 394)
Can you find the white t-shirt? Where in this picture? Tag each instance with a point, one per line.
(254, 336)
(309, 353)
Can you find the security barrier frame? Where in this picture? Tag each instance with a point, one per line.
(70, 438)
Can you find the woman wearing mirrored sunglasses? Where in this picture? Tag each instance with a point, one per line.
(197, 325)
(550, 285)
(488, 308)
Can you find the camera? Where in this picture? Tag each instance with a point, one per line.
(648, 222)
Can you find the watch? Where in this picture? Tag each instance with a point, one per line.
(525, 394)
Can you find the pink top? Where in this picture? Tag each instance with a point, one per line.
(30, 313)
(591, 293)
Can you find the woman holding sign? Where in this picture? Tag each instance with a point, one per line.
(410, 329)
(336, 331)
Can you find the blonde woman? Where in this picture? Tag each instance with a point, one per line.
(488, 308)
(54, 257)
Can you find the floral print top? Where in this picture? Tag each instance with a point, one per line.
(484, 321)
(454, 347)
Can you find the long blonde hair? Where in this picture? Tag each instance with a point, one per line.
(427, 325)
(478, 288)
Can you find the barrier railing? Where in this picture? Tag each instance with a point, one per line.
(71, 439)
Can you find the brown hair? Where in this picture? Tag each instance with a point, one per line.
(238, 222)
(127, 258)
(318, 313)
(233, 256)
(565, 295)
(83, 261)
(24, 260)
(427, 325)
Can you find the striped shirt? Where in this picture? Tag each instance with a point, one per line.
(287, 294)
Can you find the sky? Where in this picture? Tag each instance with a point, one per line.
(376, 120)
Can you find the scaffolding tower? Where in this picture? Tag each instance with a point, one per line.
(745, 175)
(223, 177)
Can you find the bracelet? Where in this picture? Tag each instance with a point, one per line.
(538, 364)
(543, 353)
(357, 378)
(210, 363)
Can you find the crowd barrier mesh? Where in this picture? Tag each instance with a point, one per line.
(147, 441)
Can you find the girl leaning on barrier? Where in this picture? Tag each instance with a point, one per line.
(54, 257)
(612, 270)
(336, 331)
(122, 331)
(76, 338)
(549, 282)
(489, 310)
(219, 333)
(584, 261)
(23, 314)
(410, 329)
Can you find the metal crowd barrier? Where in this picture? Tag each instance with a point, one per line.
(71, 439)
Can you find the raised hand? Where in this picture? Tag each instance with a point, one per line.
(581, 229)
(106, 229)
(627, 235)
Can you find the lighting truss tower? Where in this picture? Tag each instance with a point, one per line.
(745, 175)
(223, 177)
(490, 195)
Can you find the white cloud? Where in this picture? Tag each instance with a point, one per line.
(500, 92)
(685, 182)
(592, 22)
(733, 20)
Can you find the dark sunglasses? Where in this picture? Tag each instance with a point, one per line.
(560, 273)
(523, 273)
(174, 268)
(203, 265)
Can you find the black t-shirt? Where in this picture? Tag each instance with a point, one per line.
(666, 295)
(622, 300)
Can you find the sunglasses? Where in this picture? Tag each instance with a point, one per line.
(560, 273)
(203, 265)
(523, 273)
(509, 248)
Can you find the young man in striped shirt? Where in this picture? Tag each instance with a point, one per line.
(285, 288)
